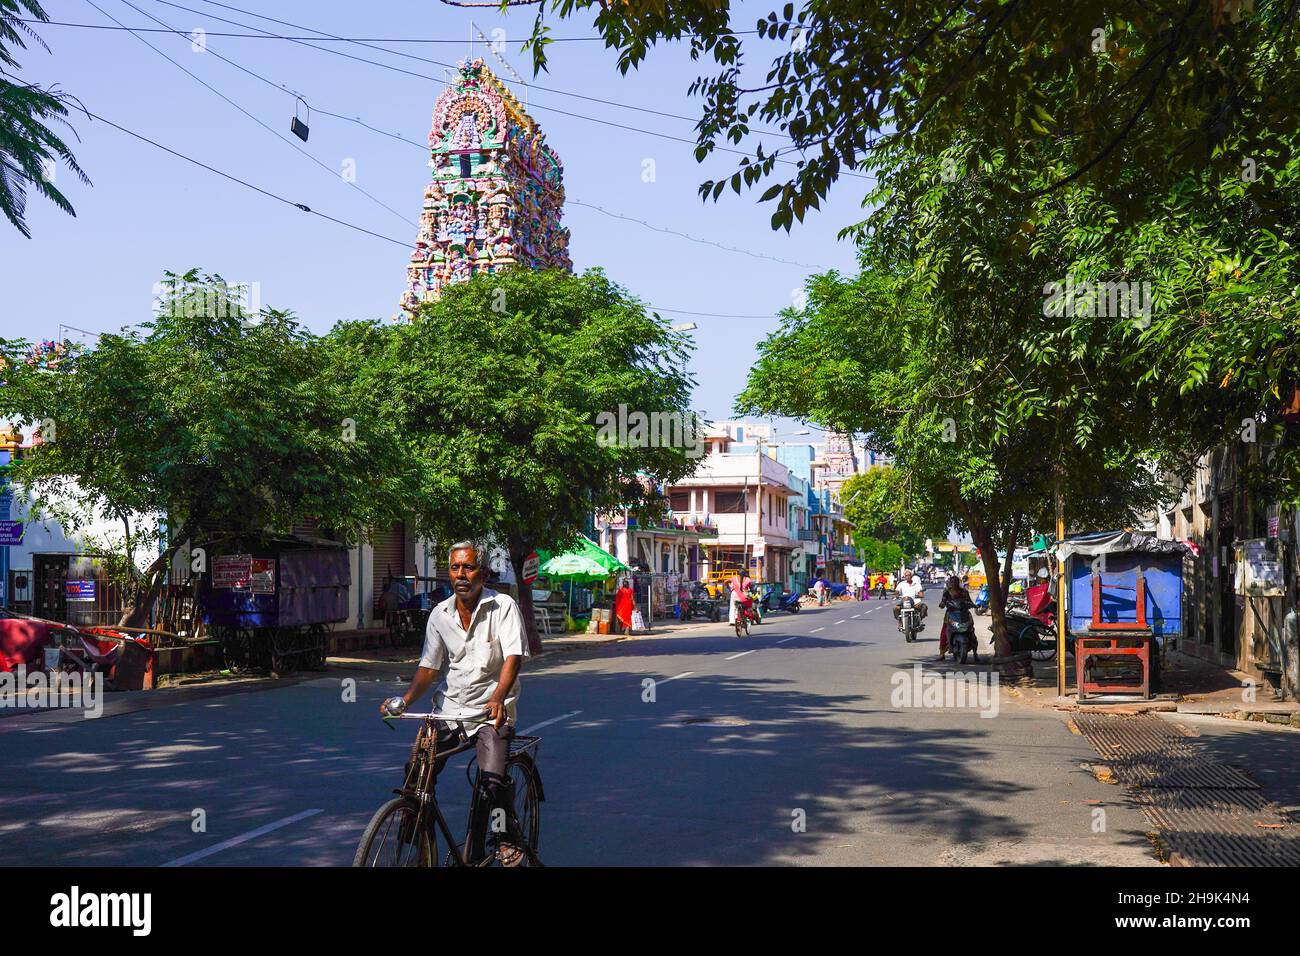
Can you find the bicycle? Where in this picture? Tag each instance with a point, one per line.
(404, 831)
(744, 617)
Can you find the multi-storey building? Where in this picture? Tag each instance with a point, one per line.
(746, 496)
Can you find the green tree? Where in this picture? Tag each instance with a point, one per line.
(874, 502)
(207, 417)
(498, 388)
(980, 436)
(28, 146)
(878, 555)
(1171, 86)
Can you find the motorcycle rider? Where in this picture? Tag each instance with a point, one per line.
(957, 597)
(916, 591)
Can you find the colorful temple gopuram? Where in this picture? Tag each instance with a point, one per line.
(497, 193)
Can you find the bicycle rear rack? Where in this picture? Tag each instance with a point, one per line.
(522, 743)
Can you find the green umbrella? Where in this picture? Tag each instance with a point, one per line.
(588, 563)
(585, 564)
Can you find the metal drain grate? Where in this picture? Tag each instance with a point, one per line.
(1187, 773)
(1208, 813)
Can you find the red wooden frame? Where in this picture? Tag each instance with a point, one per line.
(1097, 624)
(1118, 639)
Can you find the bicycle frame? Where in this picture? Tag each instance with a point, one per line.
(423, 793)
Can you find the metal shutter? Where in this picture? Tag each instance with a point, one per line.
(390, 556)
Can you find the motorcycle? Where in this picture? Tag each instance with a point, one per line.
(788, 602)
(982, 600)
(961, 633)
(909, 620)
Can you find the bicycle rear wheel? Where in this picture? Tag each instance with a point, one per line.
(394, 837)
(1042, 643)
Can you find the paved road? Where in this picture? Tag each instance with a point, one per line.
(797, 726)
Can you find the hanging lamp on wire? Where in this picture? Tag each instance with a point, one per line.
(299, 126)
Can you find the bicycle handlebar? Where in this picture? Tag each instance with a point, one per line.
(448, 718)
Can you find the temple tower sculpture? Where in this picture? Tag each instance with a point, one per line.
(497, 192)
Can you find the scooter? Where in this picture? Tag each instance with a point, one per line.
(961, 634)
(788, 602)
(982, 600)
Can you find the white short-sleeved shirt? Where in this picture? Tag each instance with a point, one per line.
(914, 590)
(475, 657)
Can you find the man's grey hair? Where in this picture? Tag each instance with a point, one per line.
(480, 557)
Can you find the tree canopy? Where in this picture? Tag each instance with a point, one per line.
(1172, 86)
(28, 146)
(496, 389)
(215, 419)
(875, 503)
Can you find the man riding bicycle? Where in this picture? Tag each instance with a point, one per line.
(478, 634)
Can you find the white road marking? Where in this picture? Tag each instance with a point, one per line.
(841, 620)
(741, 654)
(785, 639)
(547, 723)
(675, 676)
(243, 838)
(856, 616)
(816, 629)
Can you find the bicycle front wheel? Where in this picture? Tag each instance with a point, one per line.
(394, 837)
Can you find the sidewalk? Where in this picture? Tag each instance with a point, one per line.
(1190, 686)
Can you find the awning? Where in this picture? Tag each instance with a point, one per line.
(1114, 542)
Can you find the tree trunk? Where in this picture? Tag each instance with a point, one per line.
(147, 591)
(1011, 549)
(997, 593)
(518, 555)
(150, 585)
(989, 558)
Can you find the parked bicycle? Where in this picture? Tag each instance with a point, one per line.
(405, 830)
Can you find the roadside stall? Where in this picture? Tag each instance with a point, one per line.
(1125, 599)
(584, 565)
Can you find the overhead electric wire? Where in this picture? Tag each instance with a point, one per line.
(307, 209)
(683, 235)
(235, 179)
(227, 99)
(360, 122)
(541, 106)
(412, 56)
(264, 36)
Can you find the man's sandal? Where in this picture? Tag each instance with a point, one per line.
(509, 855)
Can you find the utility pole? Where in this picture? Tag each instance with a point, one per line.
(1061, 622)
(744, 529)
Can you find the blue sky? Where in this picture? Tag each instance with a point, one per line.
(148, 211)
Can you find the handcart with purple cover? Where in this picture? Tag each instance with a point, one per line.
(272, 601)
